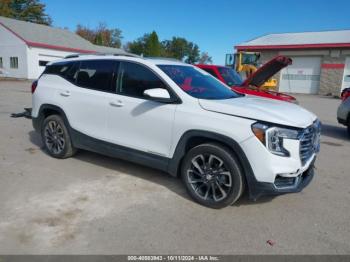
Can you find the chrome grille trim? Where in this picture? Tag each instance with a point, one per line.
(309, 141)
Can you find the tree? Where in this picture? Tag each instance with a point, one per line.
(148, 45)
(192, 53)
(205, 58)
(101, 35)
(26, 10)
(177, 48)
(153, 46)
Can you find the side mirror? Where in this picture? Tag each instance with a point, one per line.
(158, 94)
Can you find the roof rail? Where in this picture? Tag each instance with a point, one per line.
(101, 54)
(164, 58)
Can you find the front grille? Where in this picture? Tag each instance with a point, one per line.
(310, 141)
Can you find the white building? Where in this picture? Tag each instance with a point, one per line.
(25, 48)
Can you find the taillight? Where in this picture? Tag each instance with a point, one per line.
(345, 94)
(34, 85)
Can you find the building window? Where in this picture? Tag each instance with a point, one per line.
(13, 62)
(43, 63)
(1, 65)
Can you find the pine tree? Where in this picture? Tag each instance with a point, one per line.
(26, 10)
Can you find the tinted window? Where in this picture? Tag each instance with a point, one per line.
(70, 71)
(96, 74)
(197, 83)
(66, 70)
(210, 71)
(134, 79)
(231, 77)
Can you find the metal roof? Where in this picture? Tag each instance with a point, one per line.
(324, 39)
(53, 38)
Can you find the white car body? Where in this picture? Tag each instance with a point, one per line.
(157, 128)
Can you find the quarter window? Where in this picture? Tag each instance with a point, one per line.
(14, 62)
(134, 79)
(67, 70)
(96, 74)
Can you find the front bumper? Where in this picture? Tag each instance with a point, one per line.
(258, 189)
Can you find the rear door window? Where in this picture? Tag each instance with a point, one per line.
(96, 75)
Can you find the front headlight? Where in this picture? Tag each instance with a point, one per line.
(272, 137)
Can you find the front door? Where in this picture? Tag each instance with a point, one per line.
(133, 120)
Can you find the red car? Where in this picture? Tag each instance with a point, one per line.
(345, 94)
(251, 86)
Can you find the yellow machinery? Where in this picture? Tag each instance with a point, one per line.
(246, 63)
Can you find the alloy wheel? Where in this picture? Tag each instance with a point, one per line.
(54, 137)
(209, 177)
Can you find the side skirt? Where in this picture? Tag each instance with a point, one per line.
(88, 143)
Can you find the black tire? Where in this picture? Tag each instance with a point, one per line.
(56, 138)
(224, 181)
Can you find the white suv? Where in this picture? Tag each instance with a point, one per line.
(177, 118)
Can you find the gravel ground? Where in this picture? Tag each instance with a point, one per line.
(92, 204)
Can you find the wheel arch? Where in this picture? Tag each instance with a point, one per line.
(46, 110)
(195, 137)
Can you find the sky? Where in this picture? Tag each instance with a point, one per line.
(216, 26)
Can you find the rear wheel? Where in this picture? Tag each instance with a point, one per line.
(56, 138)
(212, 175)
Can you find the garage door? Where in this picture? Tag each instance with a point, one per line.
(303, 76)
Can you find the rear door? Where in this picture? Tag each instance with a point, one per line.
(85, 100)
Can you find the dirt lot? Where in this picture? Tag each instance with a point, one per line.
(92, 204)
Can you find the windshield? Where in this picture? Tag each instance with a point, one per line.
(197, 83)
(230, 76)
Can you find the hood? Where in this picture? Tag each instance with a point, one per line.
(265, 72)
(267, 110)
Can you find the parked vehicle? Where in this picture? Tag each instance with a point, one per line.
(252, 85)
(247, 63)
(343, 113)
(177, 118)
(345, 93)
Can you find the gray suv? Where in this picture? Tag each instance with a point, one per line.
(343, 113)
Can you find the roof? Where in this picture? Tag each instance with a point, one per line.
(323, 39)
(126, 57)
(43, 36)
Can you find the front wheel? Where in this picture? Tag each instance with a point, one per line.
(212, 175)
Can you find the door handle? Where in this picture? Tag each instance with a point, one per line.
(116, 103)
(65, 93)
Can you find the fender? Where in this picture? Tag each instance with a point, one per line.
(180, 152)
(38, 120)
